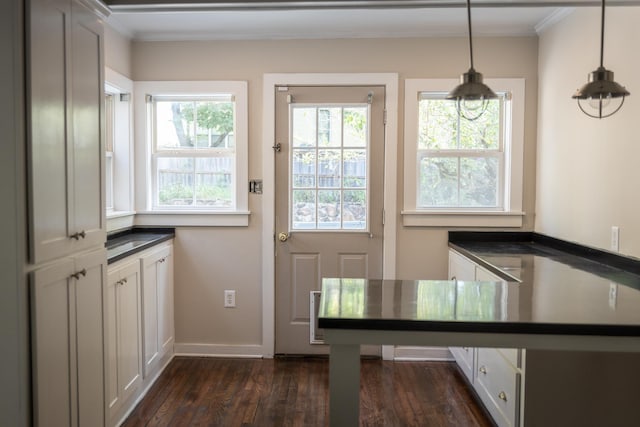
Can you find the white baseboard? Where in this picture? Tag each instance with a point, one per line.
(218, 350)
(402, 353)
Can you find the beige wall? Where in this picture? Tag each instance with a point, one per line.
(117, 51)
(588, 170)
(211, 260)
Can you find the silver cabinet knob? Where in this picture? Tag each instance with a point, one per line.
(483, 370)
(283, 237)
(502, 396)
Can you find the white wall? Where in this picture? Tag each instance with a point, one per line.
(587, 171)
(209, 260)
(14, 358)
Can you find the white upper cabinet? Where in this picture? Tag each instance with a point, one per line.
(66, 81)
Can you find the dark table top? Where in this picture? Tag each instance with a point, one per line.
(545, 291)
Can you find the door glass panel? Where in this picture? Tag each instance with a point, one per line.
(304, 168)
(303, 208)
(304, 133)
(330, 161)
(355, 127)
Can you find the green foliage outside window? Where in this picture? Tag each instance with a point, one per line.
(459, 159)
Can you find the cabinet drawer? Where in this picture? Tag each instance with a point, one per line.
(464, 359)
(498, 385)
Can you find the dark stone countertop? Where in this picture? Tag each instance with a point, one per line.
(128, 242)
(550, 287)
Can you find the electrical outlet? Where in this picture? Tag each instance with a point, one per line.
(615, 238)
(229, 299)
(613, 295)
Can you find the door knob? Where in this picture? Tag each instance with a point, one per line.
(283, 237)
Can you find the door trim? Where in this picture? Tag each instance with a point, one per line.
(270, 81)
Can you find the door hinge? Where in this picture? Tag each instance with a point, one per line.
(384, 117)
(384, 216)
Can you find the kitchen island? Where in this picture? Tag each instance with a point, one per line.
(564, 303)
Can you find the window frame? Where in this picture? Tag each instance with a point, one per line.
(122, 212)
(151, 214)
(510, 213)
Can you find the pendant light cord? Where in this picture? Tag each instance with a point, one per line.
(470, 40)
(602, 37)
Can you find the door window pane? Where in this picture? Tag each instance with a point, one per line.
(329, 162)
(325, 164)
(303, 206)
(355, 127)
(304, 168)
(304, 131)
(355, 168)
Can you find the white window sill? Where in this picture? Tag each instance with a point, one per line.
(119, 214)
(461, 219)
(117, 220)
(193, 218)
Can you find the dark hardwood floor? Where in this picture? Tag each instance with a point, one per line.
(280, 392)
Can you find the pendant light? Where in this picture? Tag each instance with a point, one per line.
(601, 97)
(471, 95)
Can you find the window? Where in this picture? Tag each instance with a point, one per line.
(195, 152)
(460, 172)
(329, 167)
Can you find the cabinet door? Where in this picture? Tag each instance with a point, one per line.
(460, 268)
(48, 121)
(165, 301)
(123, 307)
(151, 350)
(130, 331)
(112, 348)
(157, 290)
(87, 113)
(65, 129)
(89, 297)
(53, 345)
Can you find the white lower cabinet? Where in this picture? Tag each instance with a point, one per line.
(123, 309)
(139, 326)
(498, 385)
(496, 374)
(157, 279)
(68, 341)
(465, 358)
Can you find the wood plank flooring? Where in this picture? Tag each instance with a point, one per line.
(280, 392)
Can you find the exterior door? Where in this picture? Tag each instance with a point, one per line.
(329, 198)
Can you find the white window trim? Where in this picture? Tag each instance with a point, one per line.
(511, 215)
(145, 214)
(122, 214)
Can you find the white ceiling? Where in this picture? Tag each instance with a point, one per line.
(314, 19)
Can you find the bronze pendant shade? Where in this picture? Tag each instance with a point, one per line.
(471, 95)
(601, 96)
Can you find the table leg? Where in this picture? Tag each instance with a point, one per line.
(344, 385)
